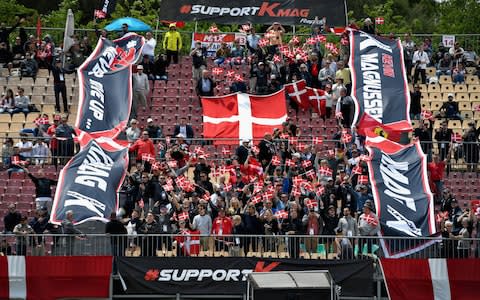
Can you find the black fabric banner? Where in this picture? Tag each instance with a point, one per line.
(227, 275)
(106, 8)
(287, 12)
(403, 200)
(379, 83)
(105, 82)
(89, 182)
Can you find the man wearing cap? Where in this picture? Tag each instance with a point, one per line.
(154, 132)
(450, 110)
(59, 86)
(172, 43)
(141, 87)
(368, 225)
(261, 85)
(266, 150)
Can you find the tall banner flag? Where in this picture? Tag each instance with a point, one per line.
(108, 6)
(431, 279)
(403, 200)
(379, 82)
(105, 81)
(242, 116)
(89, 182)
(289, 12)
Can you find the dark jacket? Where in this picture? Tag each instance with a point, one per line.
(42, 186)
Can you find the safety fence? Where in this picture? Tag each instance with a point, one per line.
(245, 245)
(462, 156)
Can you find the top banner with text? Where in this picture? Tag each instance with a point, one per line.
(287, 12)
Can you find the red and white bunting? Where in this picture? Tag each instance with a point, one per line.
(311, 203)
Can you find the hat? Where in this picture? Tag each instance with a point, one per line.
(139, 67)
(303, 66)
(368, 204)
(329, 179)
(149, 120)
(260, 63)
(172, 25)
(450, 95)
(163, 207)
(331, 206)
(180, 135)
(245, 141)
(296, 154)
(58, 60)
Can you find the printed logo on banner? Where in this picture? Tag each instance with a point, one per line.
(379, 83)
(401, 192)
(89, 182)
(108, 66)
(213, 41)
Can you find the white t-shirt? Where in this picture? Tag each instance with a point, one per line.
(149, 47)
(27, 144)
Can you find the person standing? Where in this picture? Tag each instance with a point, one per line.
(172, 43)
(206, 85)
(64, 134)
(43, 189)
(346, 106)
(71, 232)
(368, 226)
(116, 228)
(59, 85)
(22, 230)
(143, 146)
(420, 61)
(141, 87)
(149, 47)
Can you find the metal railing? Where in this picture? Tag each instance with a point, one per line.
(464, 156)
(275, 246)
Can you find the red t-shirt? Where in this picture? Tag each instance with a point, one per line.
(436, 170)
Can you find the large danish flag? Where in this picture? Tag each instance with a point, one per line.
(298, 92)
(242, 116)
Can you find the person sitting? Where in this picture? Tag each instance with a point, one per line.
(458, 74)
(8, 103)
(450, 110)
(222, 53)
(444, 66)
(22, 102)
(160, 70)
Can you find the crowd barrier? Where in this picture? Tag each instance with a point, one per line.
(268, 246)
(464, 156)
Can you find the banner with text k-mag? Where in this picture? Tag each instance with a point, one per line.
(105, 83)
(379, 83)
(89, 182)
(403, 200)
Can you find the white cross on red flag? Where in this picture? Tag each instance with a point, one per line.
(379, 20)
(242, 116)
(318, 100)
(297, 91)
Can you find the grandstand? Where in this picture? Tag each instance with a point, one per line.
(176, 98)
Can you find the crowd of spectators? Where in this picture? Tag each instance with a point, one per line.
(279, 186)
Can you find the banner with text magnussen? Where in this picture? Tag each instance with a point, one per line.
(228, 275)
(379, 83)
(89, 182)
(105, 83)
(287, 12)
(403, 200)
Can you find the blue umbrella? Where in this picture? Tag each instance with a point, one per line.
(133, 25)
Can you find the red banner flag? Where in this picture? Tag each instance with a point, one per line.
(297, 91)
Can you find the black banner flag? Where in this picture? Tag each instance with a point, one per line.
(403, 200)
(287, 12)
(105, 82)
(379, 83)
(106, 8)
(89, 182)
(227, 275)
